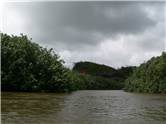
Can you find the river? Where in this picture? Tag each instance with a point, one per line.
(83, 107)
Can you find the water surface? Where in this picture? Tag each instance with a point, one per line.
(83, 107)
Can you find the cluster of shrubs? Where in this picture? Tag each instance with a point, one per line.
(88, 82)
(26, 66)
(149, 77)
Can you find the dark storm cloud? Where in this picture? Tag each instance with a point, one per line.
(129, 32)
(83, 22)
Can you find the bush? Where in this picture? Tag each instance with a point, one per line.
(26, 66)
(149, 77)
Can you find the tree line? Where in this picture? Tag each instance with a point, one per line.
(27, 66)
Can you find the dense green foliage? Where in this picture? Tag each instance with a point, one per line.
(85, 81)
(149, 77)
(28, 67)
(102, 76)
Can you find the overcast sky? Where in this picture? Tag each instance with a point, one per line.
(112, 33)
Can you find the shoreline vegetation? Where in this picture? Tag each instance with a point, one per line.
(28, 67)
(149, 77)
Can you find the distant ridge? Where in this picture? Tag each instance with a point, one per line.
(102, 70)
(93, 68)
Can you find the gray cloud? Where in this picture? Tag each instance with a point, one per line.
(86, 29)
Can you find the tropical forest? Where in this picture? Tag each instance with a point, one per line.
(27, 66)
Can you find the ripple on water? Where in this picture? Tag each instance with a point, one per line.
(83, 107)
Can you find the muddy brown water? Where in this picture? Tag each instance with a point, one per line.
(83, 107)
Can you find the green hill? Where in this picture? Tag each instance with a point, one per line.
(149, 77)
(93, 68)
(106, 77)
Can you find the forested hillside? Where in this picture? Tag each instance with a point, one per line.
(93, 68)
(105, 77)
(149, 77)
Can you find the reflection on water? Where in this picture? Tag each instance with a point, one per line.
(83, 107)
